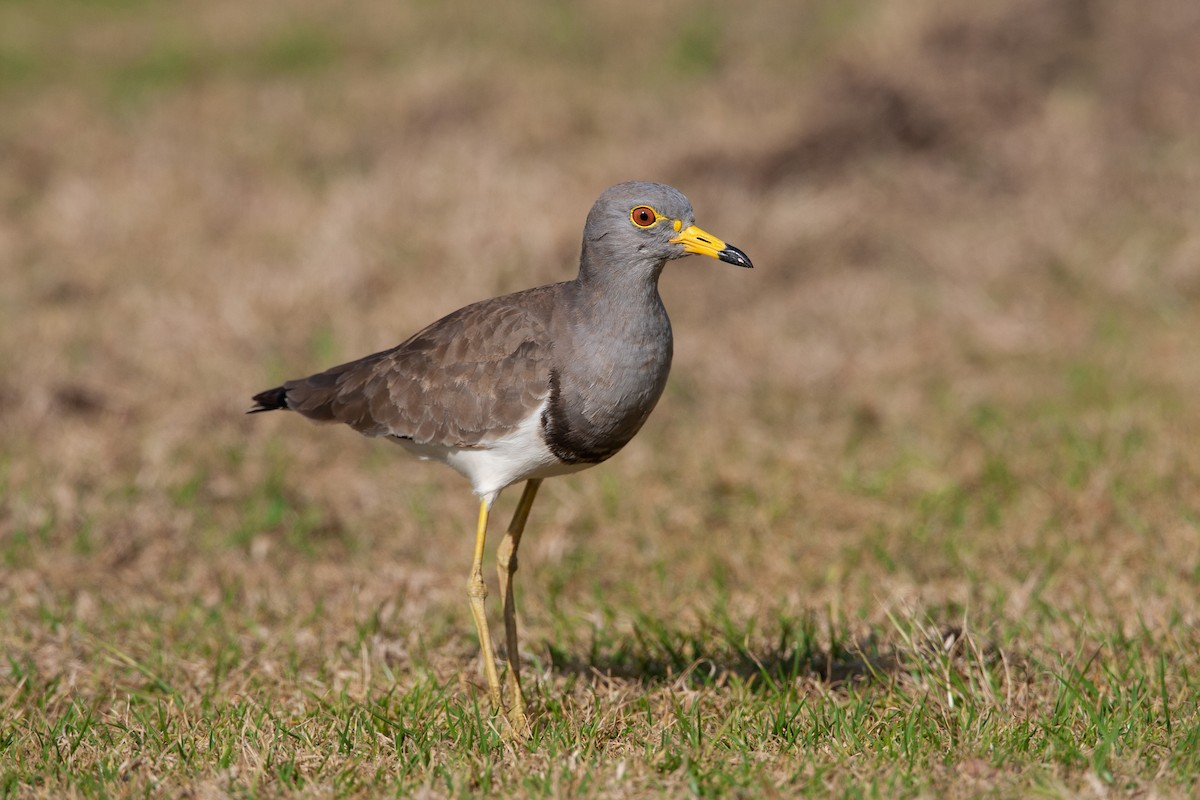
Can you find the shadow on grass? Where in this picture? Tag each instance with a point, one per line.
(720, 650)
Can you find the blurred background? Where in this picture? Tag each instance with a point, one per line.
(963, 374)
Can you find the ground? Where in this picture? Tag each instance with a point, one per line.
(917, 516)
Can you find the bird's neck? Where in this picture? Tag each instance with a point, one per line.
(618, 312)
(633, 285)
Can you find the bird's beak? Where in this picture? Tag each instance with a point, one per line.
(702, 243)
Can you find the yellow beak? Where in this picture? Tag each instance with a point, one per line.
(695, 240)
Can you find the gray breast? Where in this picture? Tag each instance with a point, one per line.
(600, 400)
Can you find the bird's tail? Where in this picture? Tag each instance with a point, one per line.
(269, 400)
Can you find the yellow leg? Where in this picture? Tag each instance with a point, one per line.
(476, 593)
(506, 566)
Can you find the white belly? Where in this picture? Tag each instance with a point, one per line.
(500, 463)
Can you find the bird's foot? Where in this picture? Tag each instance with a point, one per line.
(517, 729)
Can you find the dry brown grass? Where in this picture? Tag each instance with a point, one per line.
(960, 385)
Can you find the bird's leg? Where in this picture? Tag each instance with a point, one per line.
(506, 566)
(476, 592)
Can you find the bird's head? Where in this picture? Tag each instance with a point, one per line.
(639, 224)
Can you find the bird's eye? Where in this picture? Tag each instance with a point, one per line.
(643, 216)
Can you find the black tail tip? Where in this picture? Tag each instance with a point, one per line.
(269, 400)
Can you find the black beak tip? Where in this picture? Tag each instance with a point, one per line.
(732, 255)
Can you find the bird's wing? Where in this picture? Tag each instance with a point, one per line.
(472, 376)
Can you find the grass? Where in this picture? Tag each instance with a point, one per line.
(945, 711)
(918, 513)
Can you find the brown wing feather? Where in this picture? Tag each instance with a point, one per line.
(469, 377)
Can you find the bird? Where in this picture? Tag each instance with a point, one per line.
(527, 386)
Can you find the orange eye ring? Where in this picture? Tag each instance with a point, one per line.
(643, 216)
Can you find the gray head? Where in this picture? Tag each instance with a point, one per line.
(636, 227)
